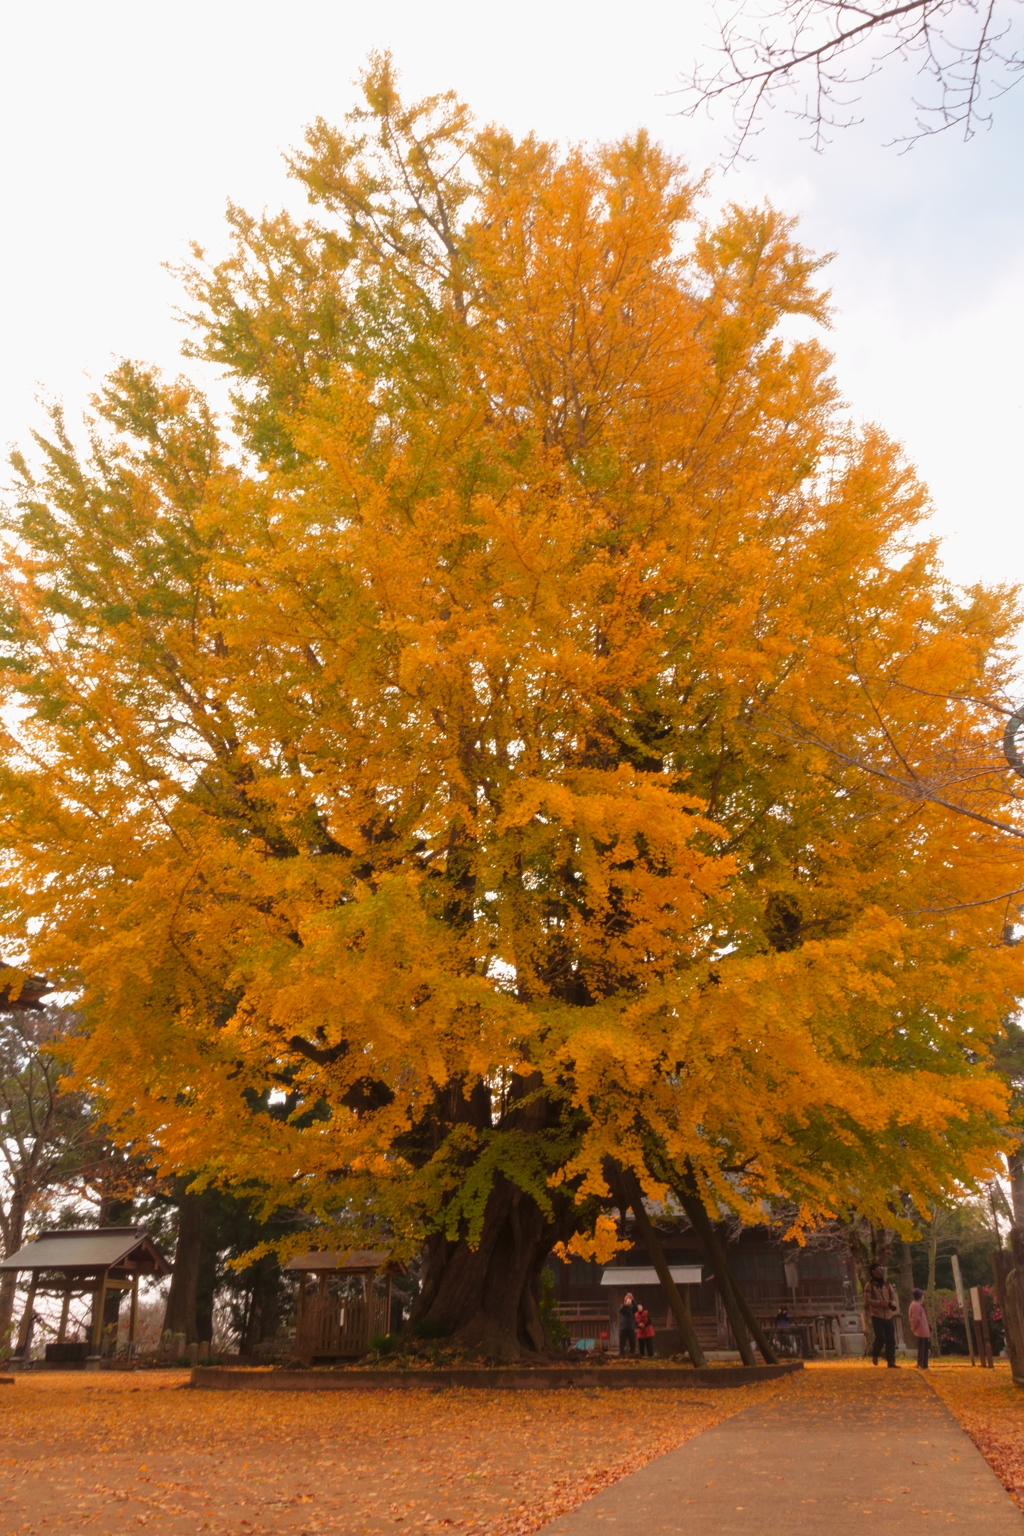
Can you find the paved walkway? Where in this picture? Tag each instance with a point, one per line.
(816, 1459)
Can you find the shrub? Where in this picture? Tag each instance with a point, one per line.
(431, 1328)
(951, 1331)
(555, 1329)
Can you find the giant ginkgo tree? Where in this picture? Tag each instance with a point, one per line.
(401, 757)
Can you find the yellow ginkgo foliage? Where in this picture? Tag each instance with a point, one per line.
(397, 773)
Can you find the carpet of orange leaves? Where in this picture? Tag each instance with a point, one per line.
(113, 1453)
(991, 1409)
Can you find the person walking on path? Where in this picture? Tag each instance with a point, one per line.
(645, 1333)
(881, 1304)
(627, 1324)
(920, 1328)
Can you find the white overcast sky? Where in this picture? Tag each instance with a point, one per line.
(126, 127)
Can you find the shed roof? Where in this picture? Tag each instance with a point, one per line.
(90, 1248)
(19, 992)
(356, 1262)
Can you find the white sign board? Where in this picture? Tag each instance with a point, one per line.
(959, 1283)
(682, 1274)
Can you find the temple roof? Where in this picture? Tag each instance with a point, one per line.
(359, 1261)
(19, 992)
(91, 1248)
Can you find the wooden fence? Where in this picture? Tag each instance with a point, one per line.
(331, 1328)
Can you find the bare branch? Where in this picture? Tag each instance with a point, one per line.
(986, 901)
(907, 784)
(968, 49)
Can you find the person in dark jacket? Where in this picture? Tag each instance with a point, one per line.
(881, 1304)
(627, 1324)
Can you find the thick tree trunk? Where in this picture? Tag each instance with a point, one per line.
(252, 1331)
(15, 1232)
(111, 1321)
(208, 1273)
(929, 1298)
(205, 1298)
(488, 1296)
(906, 1285)
(181, 1300)
(1015, 1165)
(263, 1313)
(8, 1282)
(1011, 1268)
(869, 1245)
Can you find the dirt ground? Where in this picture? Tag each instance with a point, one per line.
(110, 1454)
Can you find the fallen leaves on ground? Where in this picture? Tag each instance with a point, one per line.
(991, 1410)
(110, 1454)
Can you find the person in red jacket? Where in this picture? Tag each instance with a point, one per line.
(920, 1328)
(645, 1333)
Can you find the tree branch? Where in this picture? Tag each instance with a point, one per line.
(769, 50)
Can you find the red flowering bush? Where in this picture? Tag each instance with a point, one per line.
(950, 1329)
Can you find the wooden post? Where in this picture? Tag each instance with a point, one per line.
(981, 1332)
(62, 1330)
(986, 1336)
(25, 1331)
(300, 1317)
(962, 1299)
(133, 1317)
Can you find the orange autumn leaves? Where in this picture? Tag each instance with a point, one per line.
(988, 1406)
(418, 781)
(344, 1464)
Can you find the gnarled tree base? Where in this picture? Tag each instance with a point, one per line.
(486, 1297)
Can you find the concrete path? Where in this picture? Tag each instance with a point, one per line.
(821, 1457)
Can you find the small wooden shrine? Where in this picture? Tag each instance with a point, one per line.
(349, 1304)
(103, 1263)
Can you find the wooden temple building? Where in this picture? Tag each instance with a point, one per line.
(343, 1301)
(104, 1264)
(815, 1285)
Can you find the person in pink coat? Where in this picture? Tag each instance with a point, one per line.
(920, 1328)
